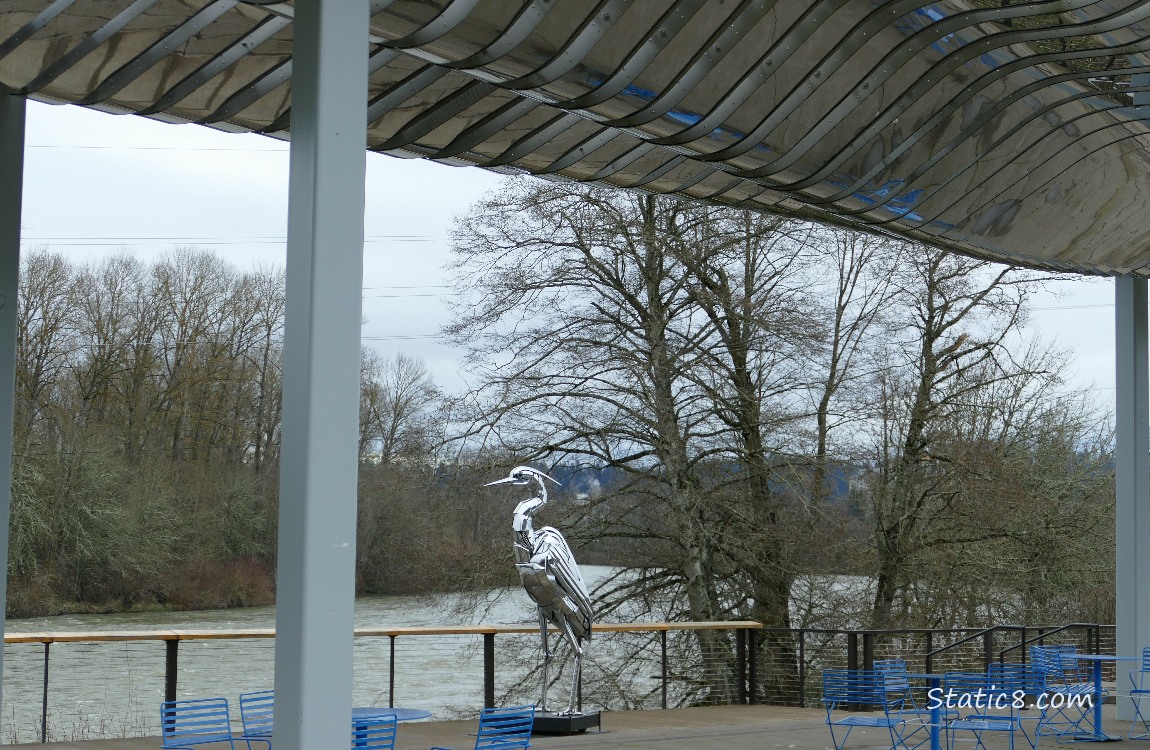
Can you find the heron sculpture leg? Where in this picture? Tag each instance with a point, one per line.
(577, 651)
(546, 659)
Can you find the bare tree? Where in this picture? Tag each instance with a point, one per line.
(579, 326)
(397, 404)
(860, 289)
(665, 340)
(953, 398)
(46, 340)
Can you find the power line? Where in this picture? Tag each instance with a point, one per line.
(407, 296)
(1072, 307)
(215, 238)
(417, 286)
(118, 243)
(158, 148)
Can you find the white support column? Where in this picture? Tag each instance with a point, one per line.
(1132, 472)
(12, 119)
(315, 586)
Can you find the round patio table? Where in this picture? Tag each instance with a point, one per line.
(1097, 734)
(401, 714)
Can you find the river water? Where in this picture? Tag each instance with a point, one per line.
(113, 689)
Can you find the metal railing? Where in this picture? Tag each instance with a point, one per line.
(645, 665)
(466, 637)
(930, 650)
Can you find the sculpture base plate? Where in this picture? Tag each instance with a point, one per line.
(551, 723)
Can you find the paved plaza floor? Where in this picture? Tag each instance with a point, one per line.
(715, 728)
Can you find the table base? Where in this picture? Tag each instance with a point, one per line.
(549, 723)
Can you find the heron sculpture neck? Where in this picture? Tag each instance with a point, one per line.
(523, 521)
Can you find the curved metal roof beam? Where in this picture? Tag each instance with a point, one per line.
(622, 161)
(998, 196)
(835, 58)
(940, 117)
(143, 62)
(582, 39)
(437, 115)
(29, 29)
(1014, 66)
(580, 151)
(974, 128)
(730, 184)
(884, 71)
(905, 101)
(271, 80)
(988, 214)
(536, 139)
(87, 46)
(931, 215)
(453, 14)
(264, 30)
(660, 171)
(635, 63)
(576, 48)
(527, 20)
(396, 95)
(487, 127)
(704, 61)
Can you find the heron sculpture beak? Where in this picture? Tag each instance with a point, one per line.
(507, 480)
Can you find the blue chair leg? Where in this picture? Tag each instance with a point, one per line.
(838, 743)
(1135, 734)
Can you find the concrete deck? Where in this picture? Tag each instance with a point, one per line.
(718, 728)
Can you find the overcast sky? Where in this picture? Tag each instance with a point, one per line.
(97, 183)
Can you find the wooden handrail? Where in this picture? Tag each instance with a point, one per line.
(201, 635)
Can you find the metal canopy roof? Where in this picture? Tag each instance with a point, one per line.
(998, 128)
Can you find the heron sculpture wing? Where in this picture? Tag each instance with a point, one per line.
(551, 544)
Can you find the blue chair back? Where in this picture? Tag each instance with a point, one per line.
(257, 712)
(505, 728)
(1146, 659)
(894, 674)
(1058, 664)
(200, 721)
(966, 682)
(1012, 677)
(859, 687)
(375, 733)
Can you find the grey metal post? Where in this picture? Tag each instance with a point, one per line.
(741, 666)
(315, 593)
(489, 670)
(171, 668)
(12, 119)
(1132, 472)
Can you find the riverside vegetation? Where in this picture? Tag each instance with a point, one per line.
(742, 407)
(147, 441)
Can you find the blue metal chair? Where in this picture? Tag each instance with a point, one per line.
(846, 691)
(996, 699)
(894, 677)
(901, 694)
(1020, 677)
(1067, 690)
(202, 721)
(374, 733)
(504, 728)
(257, 712)
(1139, 689)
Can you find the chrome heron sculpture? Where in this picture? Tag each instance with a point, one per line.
(551, 577)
